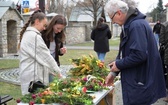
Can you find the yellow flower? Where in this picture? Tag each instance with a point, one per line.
(43, 101)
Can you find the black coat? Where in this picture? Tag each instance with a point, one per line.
(101, 38)
(156, 28)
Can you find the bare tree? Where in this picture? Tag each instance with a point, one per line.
(51, 6)
(58, 6)
(48, 5)
(94, 8)
(66, 9)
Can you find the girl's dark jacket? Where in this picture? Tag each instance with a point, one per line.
(140, 66)
(101, 38)
(58, 43)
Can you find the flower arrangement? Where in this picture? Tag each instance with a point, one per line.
(63, 98)
(87, 76)
(88, 65)
(78, 85)
(65, 91)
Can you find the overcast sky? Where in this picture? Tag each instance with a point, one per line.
(144, 5)
(147, 5)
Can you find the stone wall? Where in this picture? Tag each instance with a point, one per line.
(1, 51)
(116, 30)
(9, 36)
(88, 28)
(75, 34)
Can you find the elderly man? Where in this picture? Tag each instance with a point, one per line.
(138, 59)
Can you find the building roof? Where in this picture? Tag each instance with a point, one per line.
(78, 14)
(5, 5)
(51, 14)
(2, 11)
(84, 18)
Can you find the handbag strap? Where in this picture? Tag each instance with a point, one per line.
(35, 59)
(35, 56)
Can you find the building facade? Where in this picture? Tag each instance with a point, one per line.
(10, 27)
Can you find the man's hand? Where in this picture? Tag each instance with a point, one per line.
(113, 67)
(109, 79)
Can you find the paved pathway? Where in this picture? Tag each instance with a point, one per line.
(12, 75)
(118, 97)
(89, 47)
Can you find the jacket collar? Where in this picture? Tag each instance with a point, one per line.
(33, 29)
(130, 14)
(123, 36)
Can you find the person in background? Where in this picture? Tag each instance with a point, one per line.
(163, 40)
(35, 59)
(101, 35)
(138, 60)
(156, 31)
(54, 38)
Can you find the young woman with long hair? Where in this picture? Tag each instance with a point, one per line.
(35, 59)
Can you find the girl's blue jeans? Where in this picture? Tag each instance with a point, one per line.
(101, 56)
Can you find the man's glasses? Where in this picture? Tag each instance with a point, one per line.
(113, 16)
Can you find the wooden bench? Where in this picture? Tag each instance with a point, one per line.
(4, 99)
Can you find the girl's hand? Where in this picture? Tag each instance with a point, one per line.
(63, 50)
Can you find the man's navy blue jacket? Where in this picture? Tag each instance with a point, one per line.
(141, 66)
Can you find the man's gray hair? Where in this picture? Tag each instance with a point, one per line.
(113, 6)
(131, 3)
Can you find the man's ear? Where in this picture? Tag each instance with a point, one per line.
(119, 12)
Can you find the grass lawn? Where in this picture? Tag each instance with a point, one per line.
(14, 90)
(8, 63)
(65, 59)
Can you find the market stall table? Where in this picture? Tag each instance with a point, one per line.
(102, 95)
